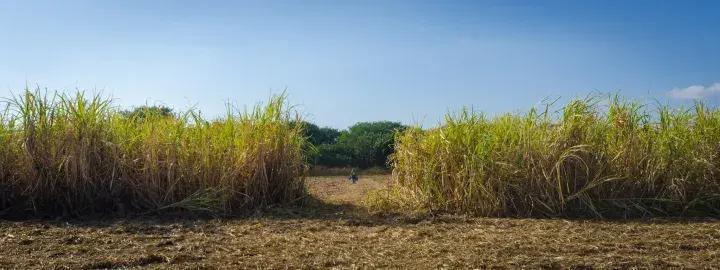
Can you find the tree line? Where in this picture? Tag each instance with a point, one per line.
(363, 145)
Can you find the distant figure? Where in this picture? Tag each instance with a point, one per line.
(353, 176)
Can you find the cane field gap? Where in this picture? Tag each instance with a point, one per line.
(320, 134)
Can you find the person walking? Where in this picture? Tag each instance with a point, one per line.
(353, 175)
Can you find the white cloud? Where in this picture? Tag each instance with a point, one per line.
(695, 92)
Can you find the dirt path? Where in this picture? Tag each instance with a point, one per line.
(340, 190)
(320, 238)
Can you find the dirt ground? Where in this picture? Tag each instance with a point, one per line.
(338, 234)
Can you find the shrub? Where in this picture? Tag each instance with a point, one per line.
(368, 144)
(345, 171)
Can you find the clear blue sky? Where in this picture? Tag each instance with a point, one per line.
(350, 61)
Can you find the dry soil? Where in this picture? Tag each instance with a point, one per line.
(339, 234)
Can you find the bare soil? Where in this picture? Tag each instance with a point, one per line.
(339, 234)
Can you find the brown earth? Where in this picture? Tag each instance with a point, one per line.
(338, 234)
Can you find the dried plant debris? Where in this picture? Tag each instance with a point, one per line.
(337, 234)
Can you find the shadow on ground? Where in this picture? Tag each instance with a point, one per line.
(329, 199)
(313, 209)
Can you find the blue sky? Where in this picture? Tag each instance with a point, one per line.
(349, 61)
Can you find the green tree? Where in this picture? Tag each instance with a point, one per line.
(319, 135)
(322, 149)
(365, 144)
(333, 155)
(142, 112)
(369, 143)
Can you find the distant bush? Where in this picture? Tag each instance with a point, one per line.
(363, 145)
(316, 135)
(333, 155)
(143, 112)
(369, 144)
(75, 155)
(340, 171)
(620, 160)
